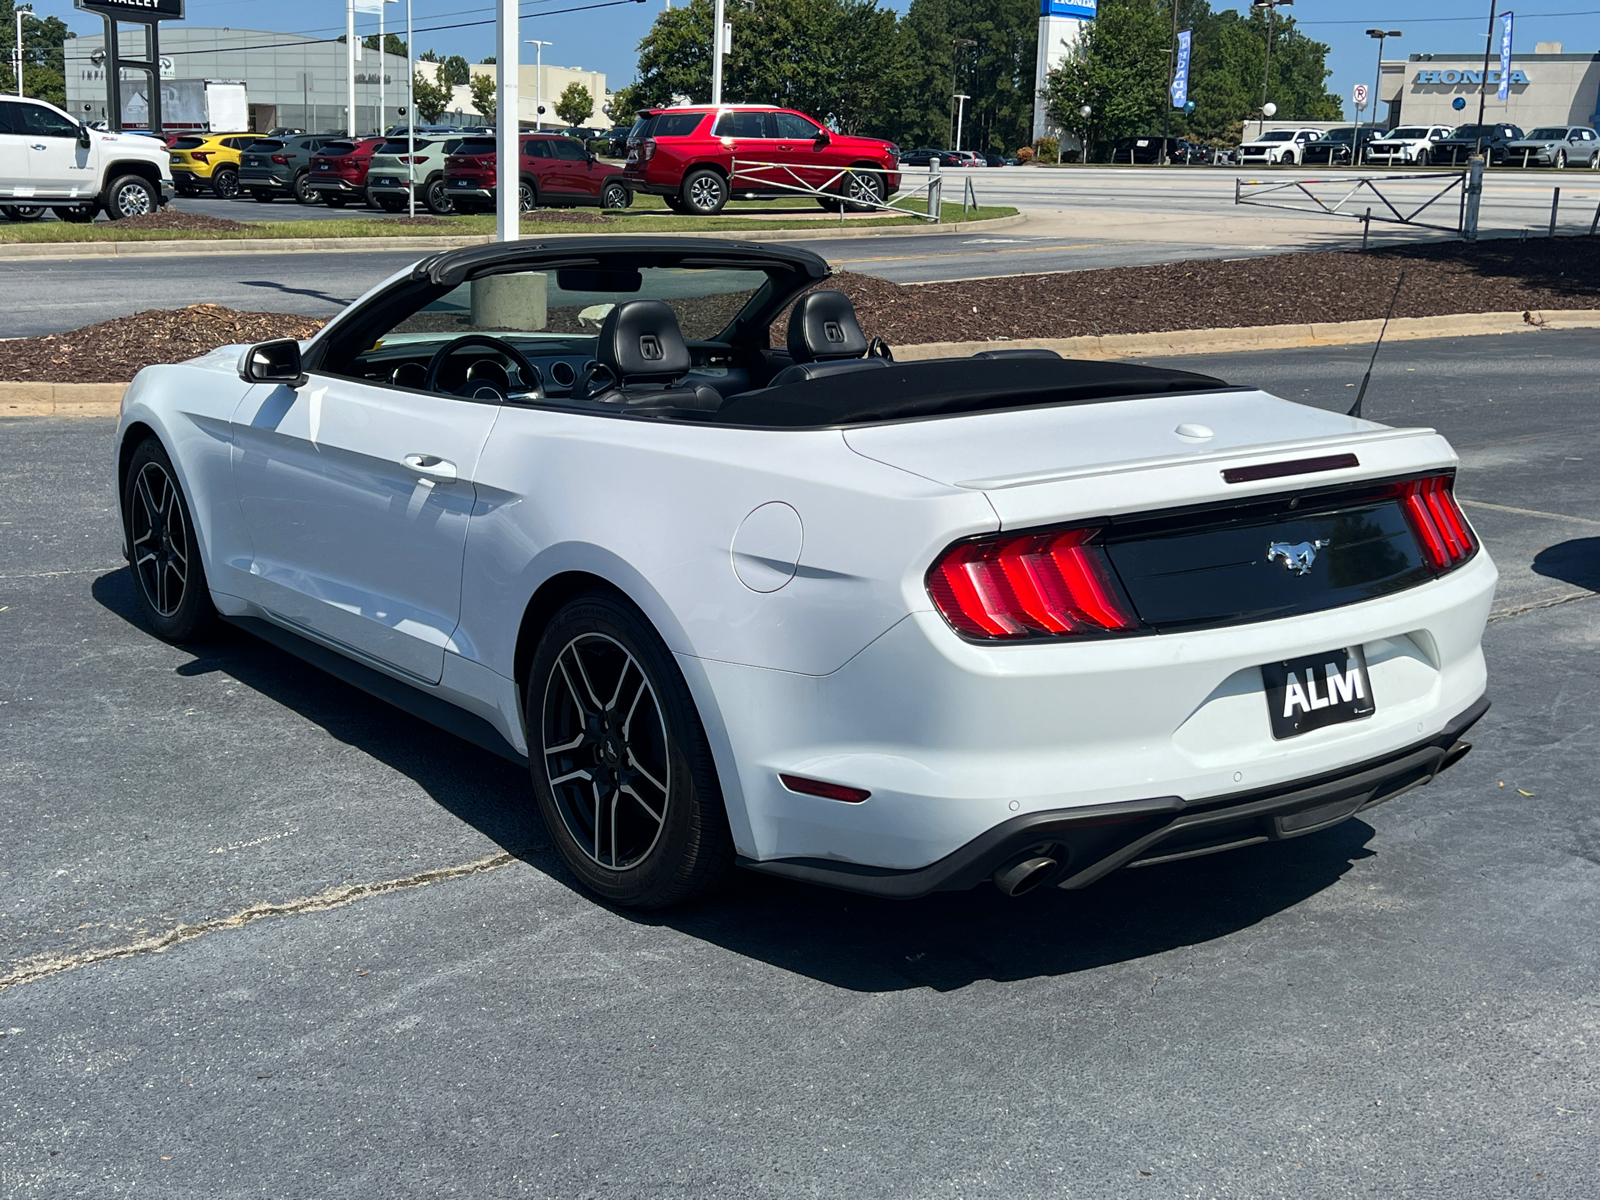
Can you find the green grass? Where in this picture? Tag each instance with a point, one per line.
(648, 215)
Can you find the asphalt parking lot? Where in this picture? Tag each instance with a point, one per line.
(1406, 1005)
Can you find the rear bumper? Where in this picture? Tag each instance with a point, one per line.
(1086, 844)
(342, 186)
(258, 180)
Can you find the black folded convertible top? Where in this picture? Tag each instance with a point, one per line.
(949, 387)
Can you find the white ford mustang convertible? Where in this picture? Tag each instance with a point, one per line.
(896, 627)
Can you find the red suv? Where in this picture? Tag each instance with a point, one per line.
(556, 171)
(339, 169)
(697, 159)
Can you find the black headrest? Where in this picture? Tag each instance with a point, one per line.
(823, 325)
(640, 341)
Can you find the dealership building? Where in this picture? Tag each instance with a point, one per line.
(1548, 87)
(292, 80)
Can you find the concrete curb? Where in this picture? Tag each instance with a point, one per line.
(1267, 337)
(425, 245)
(105, 399)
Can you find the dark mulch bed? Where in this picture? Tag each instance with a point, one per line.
(113, 351)
(171, 218)
(1289, 289)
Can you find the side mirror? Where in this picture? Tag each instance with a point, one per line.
(822, 138)
(83, 136)
(273, 362)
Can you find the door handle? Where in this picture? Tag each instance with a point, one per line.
(38, 146)
(431, 466)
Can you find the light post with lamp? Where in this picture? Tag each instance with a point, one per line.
(1266, 67)
(956, 46)
(1083, 138)
(23, 10)
(538, 80)
(1380, 36)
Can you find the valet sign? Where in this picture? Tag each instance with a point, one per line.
(134, 10)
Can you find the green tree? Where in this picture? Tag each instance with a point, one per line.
(429, 55)
(1120, 72)
(43, 55)
(392, 44)
(575, 105)
(483, 96)
(996, 70)
(488, 60)
(455, 72)
(429, 99)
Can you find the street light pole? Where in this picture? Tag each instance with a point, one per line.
(1266, 67)
(350, 67)
(720, 16)
(1377, 78)
(411, 119)
(956, 46)
(538, 81)
(961, 108)
(1483, 86)
(22, 11)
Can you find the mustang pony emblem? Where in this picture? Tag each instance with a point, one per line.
(1296, 556)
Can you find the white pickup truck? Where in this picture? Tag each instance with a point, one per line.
(50, 160)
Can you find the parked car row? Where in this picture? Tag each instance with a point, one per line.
(1427, 145)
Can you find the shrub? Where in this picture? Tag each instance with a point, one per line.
(1025, 154)
(1048, 150)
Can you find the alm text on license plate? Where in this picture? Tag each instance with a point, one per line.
(1320, 689)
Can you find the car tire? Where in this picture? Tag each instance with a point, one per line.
(21, 212)
(262, 196)
(389, 204)
(1423, 158)
(863, 193)
(333, 201)
(168, 577)
(76, 214)
(704, 192)
(225, 183)
(674, 204)
(1560, 162)
(437, 199)
(466, 208)
(131, 196)
(302, 189)
(527, 196)
(629, 793)
(615, 196)
(830, 203)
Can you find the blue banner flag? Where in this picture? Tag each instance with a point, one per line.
(1180, 76)
(1505, 56)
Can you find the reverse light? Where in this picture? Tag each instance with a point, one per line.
(1055, 584)
(1437, 520)
(828, 791)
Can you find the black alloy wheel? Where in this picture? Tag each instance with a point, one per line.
(225, 183)
(437, 199)
(704, 192)
(163, 551)
(620, 763)
(615, 195)
(21, 212)
(304, 193)
(863, 193)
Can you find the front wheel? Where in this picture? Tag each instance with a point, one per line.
(527, 197)
(863, 193)
(704, 192)
(1424, 158)
(225, 184)
(616, 196)
(163, 549)
(621, 765)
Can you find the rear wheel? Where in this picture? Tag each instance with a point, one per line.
(77, 214)
(830, 203)
(704, 192)
(261, 196)
(615, 195)
(335, 201)
(620, 763)
(21, 212)
(388, 203)
(303, 191)
(225, 183)
(437, 198)
(674, 203)
(168, 577)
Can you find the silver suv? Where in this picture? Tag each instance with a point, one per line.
(48, 158)
(273, 167)
(389, 175)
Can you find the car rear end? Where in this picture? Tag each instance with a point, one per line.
(666, 146)
(339, 170)
(1176, 638)
(193, 158)
(396, 164)
(469, 175)
(267, 167)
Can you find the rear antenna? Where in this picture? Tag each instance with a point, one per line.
(1355, 409)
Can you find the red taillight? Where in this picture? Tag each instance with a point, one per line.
(647, 149)
(201, 155)
(828, 791)
(1056, 584)
(282, 159)
(409, 158)
(1437, 520)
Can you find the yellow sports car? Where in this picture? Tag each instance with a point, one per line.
(209, 161)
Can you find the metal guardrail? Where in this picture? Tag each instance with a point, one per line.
(1392, 209)
(841, 186)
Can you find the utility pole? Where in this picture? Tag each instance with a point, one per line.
(350, 66)
(508, 145)
(1377, 78)
(1483, 86)
(411, 119)
(719, 17)
(538, 80)
(1172, 81)
(22, 11)
(1266, 67)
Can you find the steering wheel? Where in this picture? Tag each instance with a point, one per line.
(532, 381)
(585, 388)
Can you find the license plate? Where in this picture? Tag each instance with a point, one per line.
(324, 167)
(388, 183)
(1320, 689)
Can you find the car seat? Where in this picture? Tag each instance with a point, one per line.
(642, 351)
(825, 339)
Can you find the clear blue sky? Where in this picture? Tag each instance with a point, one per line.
(605, 39)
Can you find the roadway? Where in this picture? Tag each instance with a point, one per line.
(1402, 1005)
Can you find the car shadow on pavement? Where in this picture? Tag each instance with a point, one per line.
(950, 940)
(1576, 562)
(944, 942)
(486, 791)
